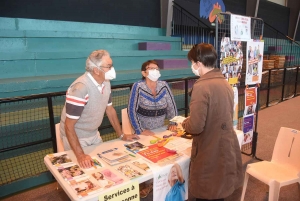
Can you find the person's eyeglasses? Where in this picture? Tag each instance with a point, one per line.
(152, 68)
(109, 67)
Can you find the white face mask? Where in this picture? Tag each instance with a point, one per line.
(111, 74)
(196, 72)
(153, 75)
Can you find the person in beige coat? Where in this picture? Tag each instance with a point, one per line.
(216, 164)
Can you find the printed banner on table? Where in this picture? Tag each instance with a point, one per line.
(240, 28)
(231, 60)
(248, 123)
(171, 182)
(250, 100)
(254, 62)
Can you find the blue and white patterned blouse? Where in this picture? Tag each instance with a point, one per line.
(147, 112)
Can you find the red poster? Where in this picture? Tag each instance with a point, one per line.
(250, 95)
(155, 153)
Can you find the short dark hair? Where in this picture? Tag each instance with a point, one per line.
(204, 53)
(147, 63)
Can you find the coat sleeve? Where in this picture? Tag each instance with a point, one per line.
(171, 108)
(198, 111)
(132, 109)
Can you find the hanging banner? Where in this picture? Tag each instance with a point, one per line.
(171, 182)
(209, 9)
(248, 124)
(240, 28)
(231, 60)
(254, 62)
(250, 100)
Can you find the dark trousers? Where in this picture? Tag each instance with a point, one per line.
(199, 199)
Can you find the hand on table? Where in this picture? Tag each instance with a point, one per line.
(147, 132)
(130, 137)
(85, 161)
(172, 127)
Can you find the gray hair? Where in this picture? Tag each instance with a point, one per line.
(95, 60)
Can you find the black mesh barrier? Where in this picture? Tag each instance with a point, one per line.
(27, 124)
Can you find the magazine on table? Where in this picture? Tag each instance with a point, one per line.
(60, 159)
(71, 172)
(84, 186)
(114, 156)
(128, 171)
(156, 153)
(178, 119)
(141, 164)
(135, 147)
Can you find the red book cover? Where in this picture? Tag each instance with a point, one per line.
(155, 153)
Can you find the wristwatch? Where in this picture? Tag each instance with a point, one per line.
(121, 136)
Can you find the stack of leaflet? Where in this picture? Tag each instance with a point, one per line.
(114, 156)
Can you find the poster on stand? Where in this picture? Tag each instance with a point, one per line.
(235, 107)
(240, 28)
(250, 100)
(254, 62)
(248, 125)
(231, 60)
(171, 182)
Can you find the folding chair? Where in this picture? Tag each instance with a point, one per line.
(126, 125)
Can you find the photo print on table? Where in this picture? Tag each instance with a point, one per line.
(71, 172)
(84, 186)
(129, 172)
(102, 180)
(59, 159)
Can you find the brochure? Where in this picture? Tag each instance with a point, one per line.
(128, 171)
(84, 186)
(135, 146)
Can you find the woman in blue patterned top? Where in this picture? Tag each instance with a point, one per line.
(151, 101)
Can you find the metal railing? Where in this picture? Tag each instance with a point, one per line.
(27, 129)
(190, 28)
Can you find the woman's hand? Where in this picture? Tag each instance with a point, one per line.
(172, 127)
(147, 132)
(130, 137)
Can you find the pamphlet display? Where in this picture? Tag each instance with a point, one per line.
(254, 62)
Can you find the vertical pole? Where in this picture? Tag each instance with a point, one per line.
(169, 18)
(52, 125)
(181, 28)
(283, 83)
(216, 45)
(296, 82)
(269, 83)
(186, 100)
(255, 133)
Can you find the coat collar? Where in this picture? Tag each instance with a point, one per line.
(215, 73)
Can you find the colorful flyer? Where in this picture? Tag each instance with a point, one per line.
(231, 60)
(240, 28)
(248, 125)
(250, 100)
(254, 62)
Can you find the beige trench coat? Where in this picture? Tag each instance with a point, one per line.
(216, 164)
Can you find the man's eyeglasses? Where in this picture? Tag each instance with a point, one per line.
(109, 67)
